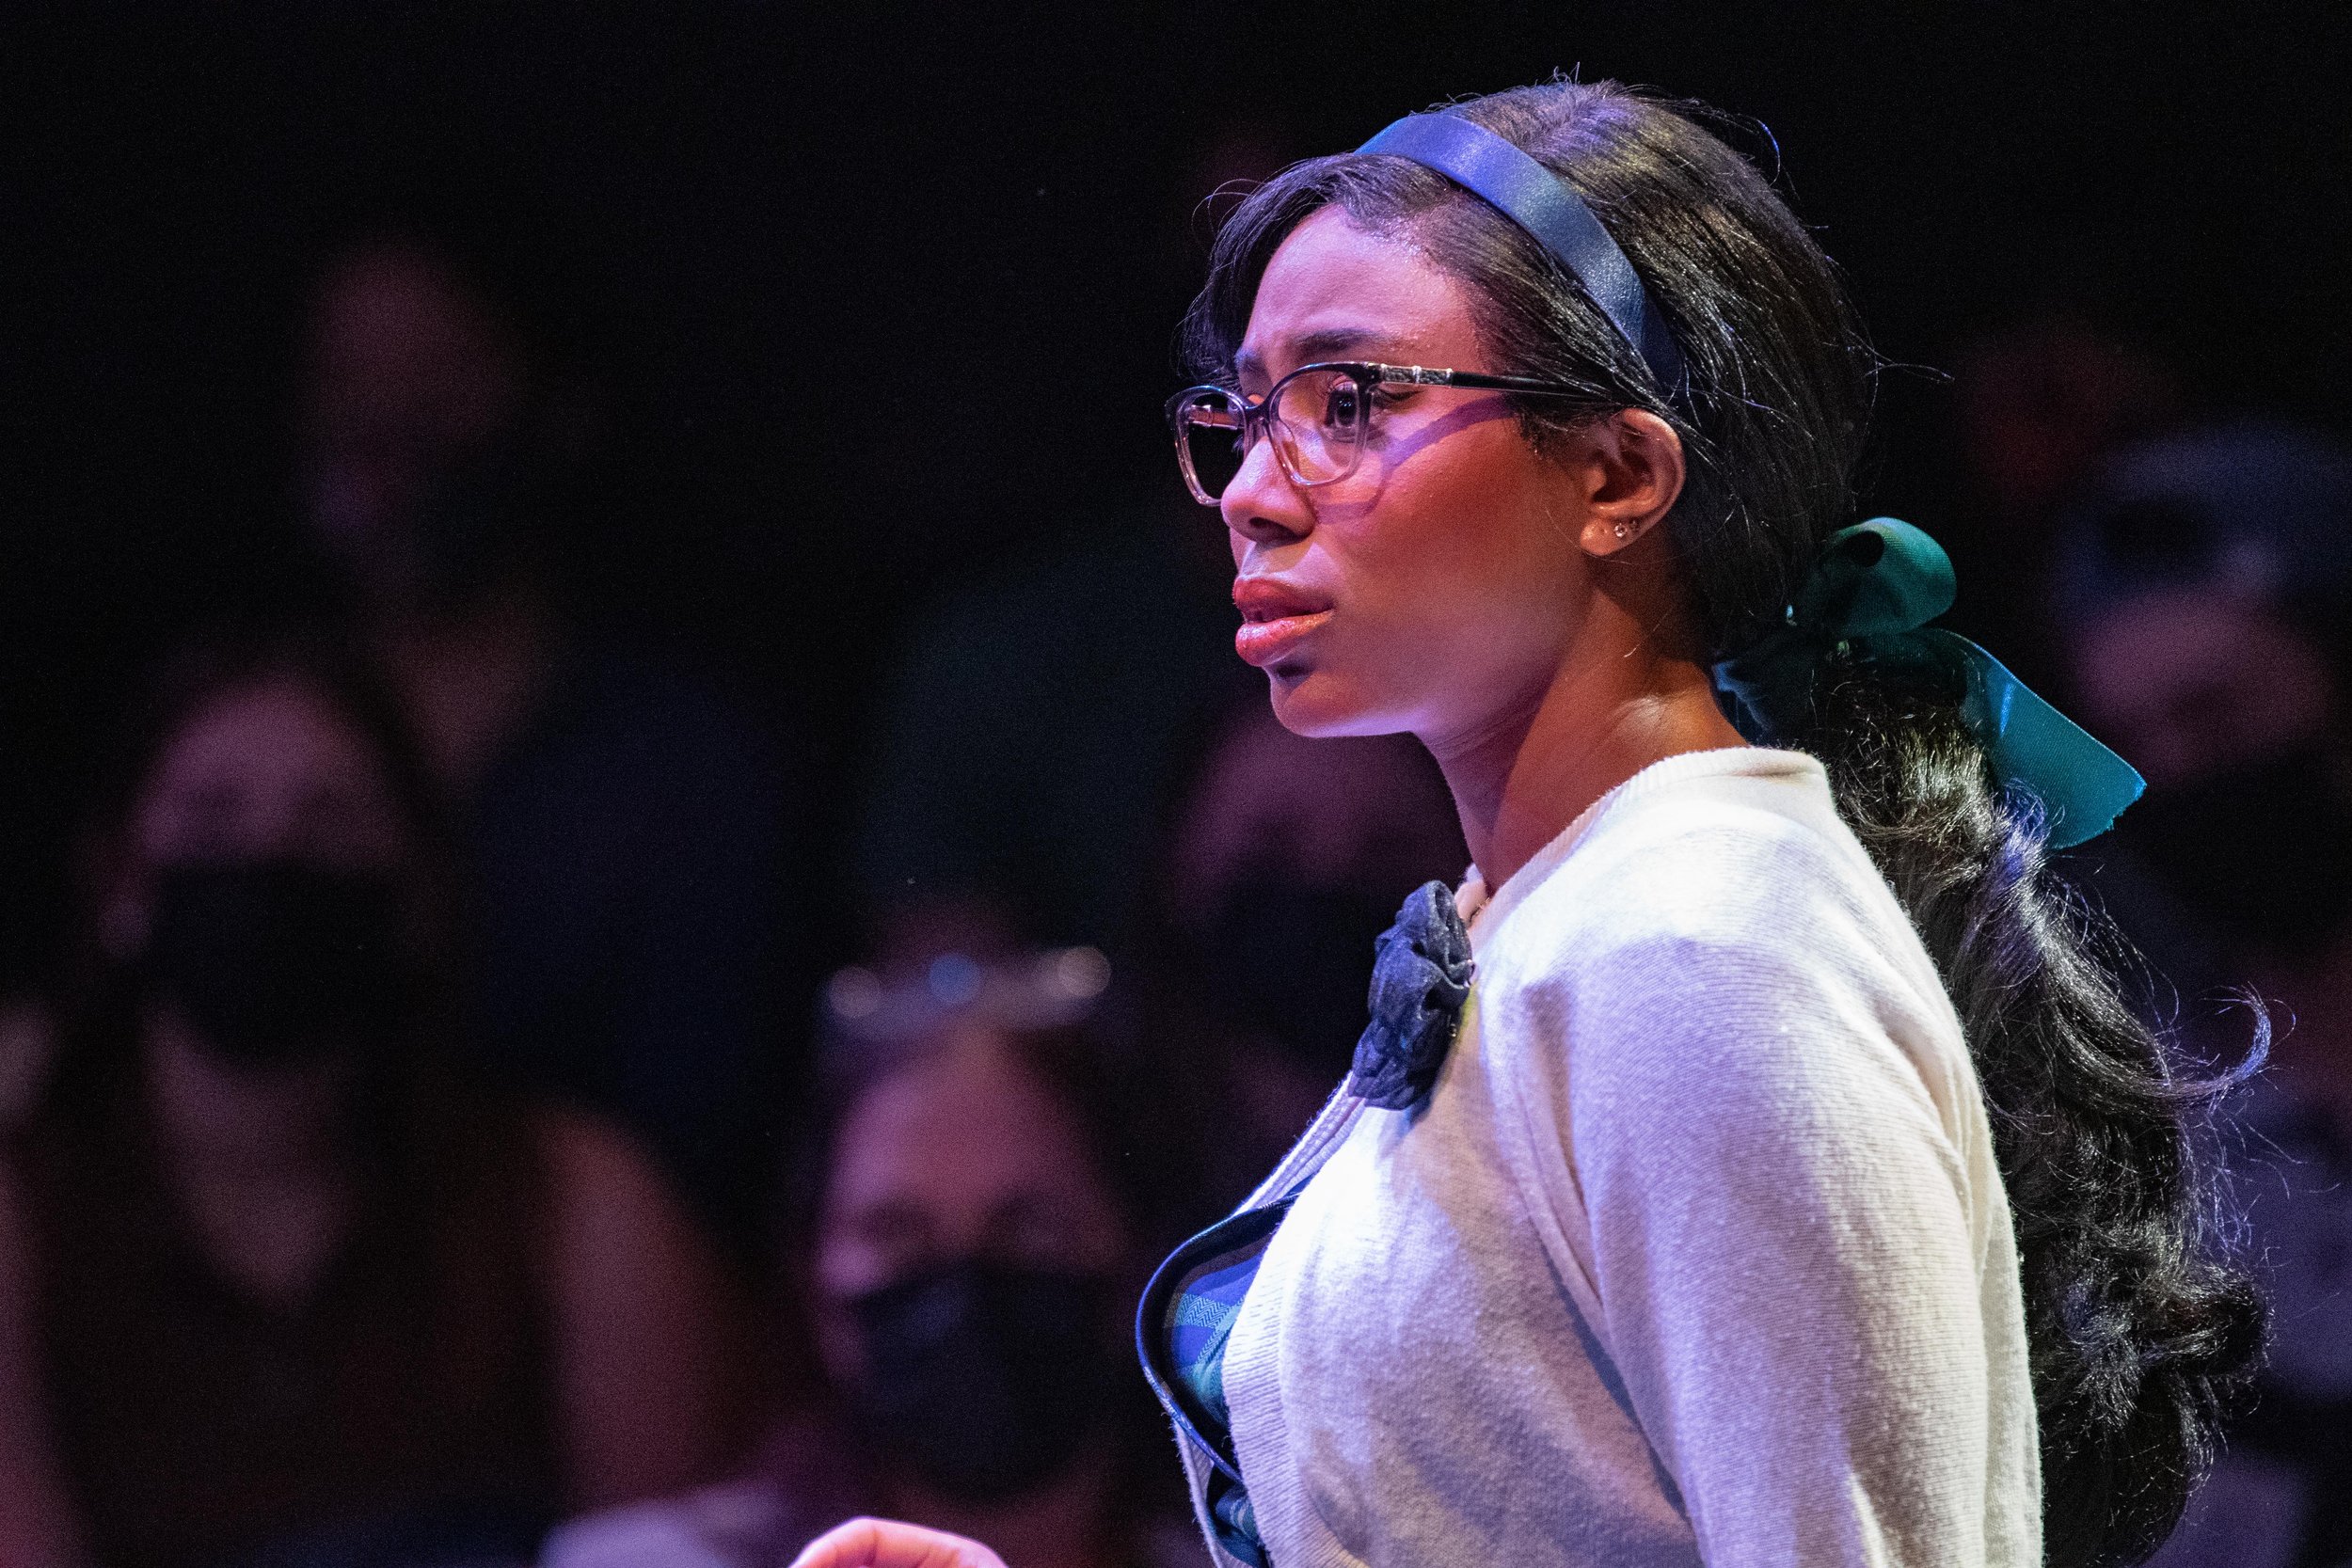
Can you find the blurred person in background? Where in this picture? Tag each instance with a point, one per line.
(1029, 739)
(1041, 718)
(277, 1284)
(2040, 405)
(977, 1213)
(2205, 587)
(1285, 861)
(621, 821)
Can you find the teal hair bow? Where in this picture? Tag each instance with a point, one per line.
(1872, 592)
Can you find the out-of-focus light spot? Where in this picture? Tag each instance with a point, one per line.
(854, 993)
(954, 979)
(1080, 973)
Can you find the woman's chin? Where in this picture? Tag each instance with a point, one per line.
(1313, 703)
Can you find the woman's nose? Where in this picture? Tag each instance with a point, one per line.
(1261, 504)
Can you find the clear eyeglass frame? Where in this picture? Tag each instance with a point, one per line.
(1319, 416)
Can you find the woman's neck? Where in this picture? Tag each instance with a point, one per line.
(468, 680)
(1616, 704)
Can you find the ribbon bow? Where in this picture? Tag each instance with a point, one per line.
(1420, 980)
(1872, 592)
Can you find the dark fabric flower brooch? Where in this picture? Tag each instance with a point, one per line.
(1420, 980)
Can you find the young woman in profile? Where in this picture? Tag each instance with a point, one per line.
(1757, 1166)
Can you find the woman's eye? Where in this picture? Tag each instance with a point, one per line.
(1343, 404)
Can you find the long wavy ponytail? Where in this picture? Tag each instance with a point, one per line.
(2139, 1330)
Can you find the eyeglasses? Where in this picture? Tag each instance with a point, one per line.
(1320, 416)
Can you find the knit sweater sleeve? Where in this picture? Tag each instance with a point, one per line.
(1769, 1177)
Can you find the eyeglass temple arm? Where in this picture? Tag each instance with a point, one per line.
(1422, 375)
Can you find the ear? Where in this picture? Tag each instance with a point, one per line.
(1630, 466)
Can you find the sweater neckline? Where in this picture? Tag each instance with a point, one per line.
(1486, 910)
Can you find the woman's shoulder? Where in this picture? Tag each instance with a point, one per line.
(1738, 904)
(1733, 960)
(1750, 854)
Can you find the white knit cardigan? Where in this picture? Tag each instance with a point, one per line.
(1698, 1252)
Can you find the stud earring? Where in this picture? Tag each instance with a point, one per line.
(1624, 529)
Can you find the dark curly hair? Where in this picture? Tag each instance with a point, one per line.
(2139, 1328)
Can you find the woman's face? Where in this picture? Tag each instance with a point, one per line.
(963, 1155)
(1433, 589)
(2188, 682)
(268, 771)
(409, 370)
(259, 886)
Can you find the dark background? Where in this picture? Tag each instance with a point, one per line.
(882, 296)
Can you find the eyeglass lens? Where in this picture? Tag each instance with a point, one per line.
(1318, 421)
(1210, 427)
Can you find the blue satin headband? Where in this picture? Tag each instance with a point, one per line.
(1542, 203)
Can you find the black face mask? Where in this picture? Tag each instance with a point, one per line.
(1295, 964)
(2263, 850)
(274, 961)
(983, 1381)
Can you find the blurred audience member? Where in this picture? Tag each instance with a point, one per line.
(1287, 859)
(275, 1285)
(2042, 404)
(978, 1222)
(1041, 719)
(2205, 586)
(622, 821)
(1033, 736)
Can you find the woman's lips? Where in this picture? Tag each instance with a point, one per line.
(1275, 617)
(1264, 642)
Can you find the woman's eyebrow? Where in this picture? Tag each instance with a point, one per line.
(1326, 341)
(1322, 343)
